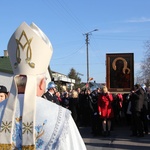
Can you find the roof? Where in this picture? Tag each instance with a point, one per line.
(5, 65)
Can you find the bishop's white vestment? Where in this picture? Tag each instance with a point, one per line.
(54, 129)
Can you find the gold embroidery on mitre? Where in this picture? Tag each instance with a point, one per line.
(28, 127)
(5, 146)
(6, 126)
(23, 46)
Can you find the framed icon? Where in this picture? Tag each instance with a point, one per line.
(120, 72)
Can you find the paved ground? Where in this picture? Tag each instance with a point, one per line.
(119, 140)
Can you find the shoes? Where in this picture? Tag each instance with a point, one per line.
(140, 135)
(106, 133)
(132, 135)
(137, 135)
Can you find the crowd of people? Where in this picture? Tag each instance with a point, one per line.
(102, 110)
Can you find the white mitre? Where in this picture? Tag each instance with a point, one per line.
(30, 52)
(33, 54)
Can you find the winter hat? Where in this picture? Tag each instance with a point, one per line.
(3, 89)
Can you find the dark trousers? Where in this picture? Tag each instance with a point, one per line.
(137, 124)
(96, 124)
(145, 121)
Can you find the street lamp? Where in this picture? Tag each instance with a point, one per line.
(87, 51)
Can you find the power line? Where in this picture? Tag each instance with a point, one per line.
(71, 54)
(69, 12)
(65, 14)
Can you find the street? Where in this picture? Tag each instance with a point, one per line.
(118, 140)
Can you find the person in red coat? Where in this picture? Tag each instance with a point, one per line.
(105, 110)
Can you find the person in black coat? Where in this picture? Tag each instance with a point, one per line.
(87, 108)
(73, 106)
(96, 122)
(50, 94)
(65, 100)
(137, 101)
(144, 111)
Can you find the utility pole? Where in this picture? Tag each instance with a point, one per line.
(87, 50)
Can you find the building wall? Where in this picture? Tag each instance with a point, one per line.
(6, 80)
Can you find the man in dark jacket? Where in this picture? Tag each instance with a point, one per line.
(50, 94)
(137, 100)
(95, 119)
(145, 109)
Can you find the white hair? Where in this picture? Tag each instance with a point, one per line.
(39, 77)
(22, 79)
